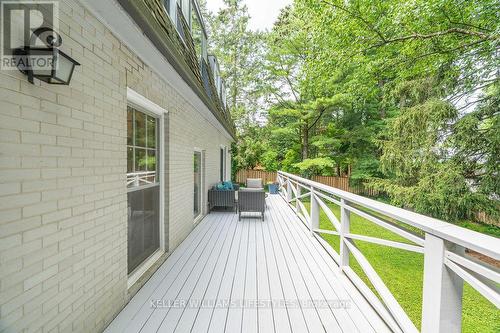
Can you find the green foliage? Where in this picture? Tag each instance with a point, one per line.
(269, 160)
(315, 166)
(239, 51)
(402, 96)
(249, 153)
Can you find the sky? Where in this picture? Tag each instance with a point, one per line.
(263, 12)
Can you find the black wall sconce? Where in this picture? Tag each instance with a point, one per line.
(48, 64)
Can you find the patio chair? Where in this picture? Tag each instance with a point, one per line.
(251, 200)
(221, 198)
(255, 184)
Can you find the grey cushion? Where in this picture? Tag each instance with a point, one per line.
(251, 189)
(254, 183)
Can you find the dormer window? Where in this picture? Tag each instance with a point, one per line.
(198, 34)
(185, 6)
(170, 9)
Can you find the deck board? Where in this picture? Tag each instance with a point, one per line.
(281, 275)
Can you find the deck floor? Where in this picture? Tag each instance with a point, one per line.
(249, 276)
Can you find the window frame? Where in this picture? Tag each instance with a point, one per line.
(195, 10)
(142, 104)
(223, 164)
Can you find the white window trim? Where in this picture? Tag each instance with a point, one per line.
(200, 216)
(143, 104)
(224, 171)
(228, 165)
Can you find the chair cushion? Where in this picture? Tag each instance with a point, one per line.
(254, 183)
(228, 186)
(252, 189)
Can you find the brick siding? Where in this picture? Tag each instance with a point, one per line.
(63, 200)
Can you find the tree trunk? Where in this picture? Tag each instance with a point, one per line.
(305, 141)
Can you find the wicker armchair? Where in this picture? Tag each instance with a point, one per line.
(251, 201)
(221, 198)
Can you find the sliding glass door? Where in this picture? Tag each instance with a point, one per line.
(143, 187)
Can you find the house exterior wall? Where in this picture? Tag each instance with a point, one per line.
(63, 199)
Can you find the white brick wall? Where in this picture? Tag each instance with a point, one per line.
(63, 203)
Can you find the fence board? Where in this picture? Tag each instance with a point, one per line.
(266, 176)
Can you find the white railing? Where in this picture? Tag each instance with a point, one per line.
(446, 265)
(135, 179)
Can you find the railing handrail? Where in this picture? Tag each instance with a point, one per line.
(485, 244)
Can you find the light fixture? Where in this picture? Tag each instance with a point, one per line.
(48, 64)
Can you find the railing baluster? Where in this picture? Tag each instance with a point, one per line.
(443, 289)
(345, 226)
(314, 217)
(297, 199)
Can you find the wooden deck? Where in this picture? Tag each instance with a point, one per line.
(249, 276)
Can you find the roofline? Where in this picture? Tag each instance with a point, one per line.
(142, 17)
(119, 21)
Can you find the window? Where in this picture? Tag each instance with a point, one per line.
(143, 195)
(222, 164)
(170, 8)
(167, 4)
(141, 148)
(198, 34)
(185, 6)
(197, 190)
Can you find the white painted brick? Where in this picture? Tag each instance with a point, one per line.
(10, 241)
(10, 136)
(40, 277)
(19, 200)
(10, 188)
(39, 185)
(39, 209)
(19, 251)
(39, 232)
(54, 130)
(38, 162)
(9, 215)
(36, 138)
(56, 216)
(38, 115)
(56, 151)
(56, 194)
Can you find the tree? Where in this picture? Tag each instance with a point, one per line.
(239, 52)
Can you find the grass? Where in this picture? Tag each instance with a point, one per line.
(402, 272)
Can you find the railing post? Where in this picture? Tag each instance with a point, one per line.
(288, 190)
(314, 214)
(345, 226)
(442, 289)
(297, 206)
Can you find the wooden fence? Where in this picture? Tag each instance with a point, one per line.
(266, 176)
(341, 183)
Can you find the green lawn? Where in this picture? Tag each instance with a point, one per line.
(402, 273)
